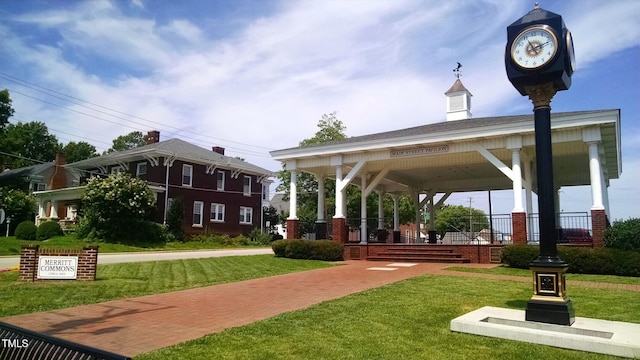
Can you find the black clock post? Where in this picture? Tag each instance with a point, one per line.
(539, 62)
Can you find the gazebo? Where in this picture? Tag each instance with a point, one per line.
(461, 154)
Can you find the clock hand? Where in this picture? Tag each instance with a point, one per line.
(542, 45)
(533, 48)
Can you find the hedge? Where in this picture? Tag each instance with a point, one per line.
(581, 260)
(325, 250)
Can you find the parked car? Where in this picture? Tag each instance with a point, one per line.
(572, 236)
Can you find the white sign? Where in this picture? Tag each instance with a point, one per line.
(420, 151)
(58, 267)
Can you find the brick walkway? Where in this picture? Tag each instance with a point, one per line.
(139, 325)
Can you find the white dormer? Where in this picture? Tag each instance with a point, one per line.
(458, 102)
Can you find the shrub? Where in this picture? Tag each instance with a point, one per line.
(116, 207)
(581, 260)
(259, 237)
(175, 218)
(624, 235)
(26, 230)
(325, 250)
(48, 229)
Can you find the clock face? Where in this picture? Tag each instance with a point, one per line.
(572, 55)
(534, 47)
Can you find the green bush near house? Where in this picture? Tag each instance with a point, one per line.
(581, 260)
(325, 250)
(624, 235)
(48, 229)
(26, 230)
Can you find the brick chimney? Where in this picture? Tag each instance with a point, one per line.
(218, 149)
(59, 176)
(153, 137)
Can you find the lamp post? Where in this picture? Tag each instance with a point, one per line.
(539, 61)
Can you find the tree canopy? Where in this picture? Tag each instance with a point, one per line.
(6, 111)
(76, 151)
(28, 142)
(460, 218)
(129, 141)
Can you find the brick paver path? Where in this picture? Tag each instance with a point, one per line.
(139, 325)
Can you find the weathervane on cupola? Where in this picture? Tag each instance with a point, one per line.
(458, 99)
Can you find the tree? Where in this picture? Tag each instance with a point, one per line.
(330, 128)
(76, 151)
(126, 142)
(460, 218)
(175, 218)
(271, 216)
(30, 141)
(116, 207)
(17, 205)
(6, 111)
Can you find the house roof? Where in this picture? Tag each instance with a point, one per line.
(172, 148)
(25, 171)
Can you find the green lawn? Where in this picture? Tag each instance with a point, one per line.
(118, 281)
(406, 320)
(503, 270)
(11, 246)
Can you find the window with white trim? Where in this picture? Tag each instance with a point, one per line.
(117, 169)
(220, 184)
(141, 168)
(265, 192)
(187, 175)
(246, 215)
(197, 213)
(246, 189)
(217, 212)
(39, 187)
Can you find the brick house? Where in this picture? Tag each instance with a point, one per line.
(220, 194)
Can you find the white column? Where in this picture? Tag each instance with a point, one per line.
(363, 209)
(339, 194)
(605, 194)
(596, 179)
(396, 212)
(380, 210)
(528, 169)
(42, 209)
(517, 181)
(321, 197)
(293, 195)
(54, 209)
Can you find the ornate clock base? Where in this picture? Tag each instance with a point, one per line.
(549, 303)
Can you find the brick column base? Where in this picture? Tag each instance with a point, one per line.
(338, 230)
(293, 229)
(598, 227)
(519, 228)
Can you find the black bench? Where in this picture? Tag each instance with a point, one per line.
(17, 343)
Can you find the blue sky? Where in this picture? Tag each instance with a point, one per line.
(255, 76)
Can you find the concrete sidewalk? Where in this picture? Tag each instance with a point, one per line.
(143, 324)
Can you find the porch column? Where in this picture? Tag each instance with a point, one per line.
(380, 210)
(321, 223)
(339, 222)
(528, 166)
(54, 210)
(595, 172)
(363, 209)
(396, 218)
(519, 217)
(293, 226)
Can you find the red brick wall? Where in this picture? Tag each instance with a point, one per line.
(519, 228)
(293, 229)
(598, 227)
(340, 231)
(87, 261)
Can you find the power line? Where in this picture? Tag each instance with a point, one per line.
(48, 92)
